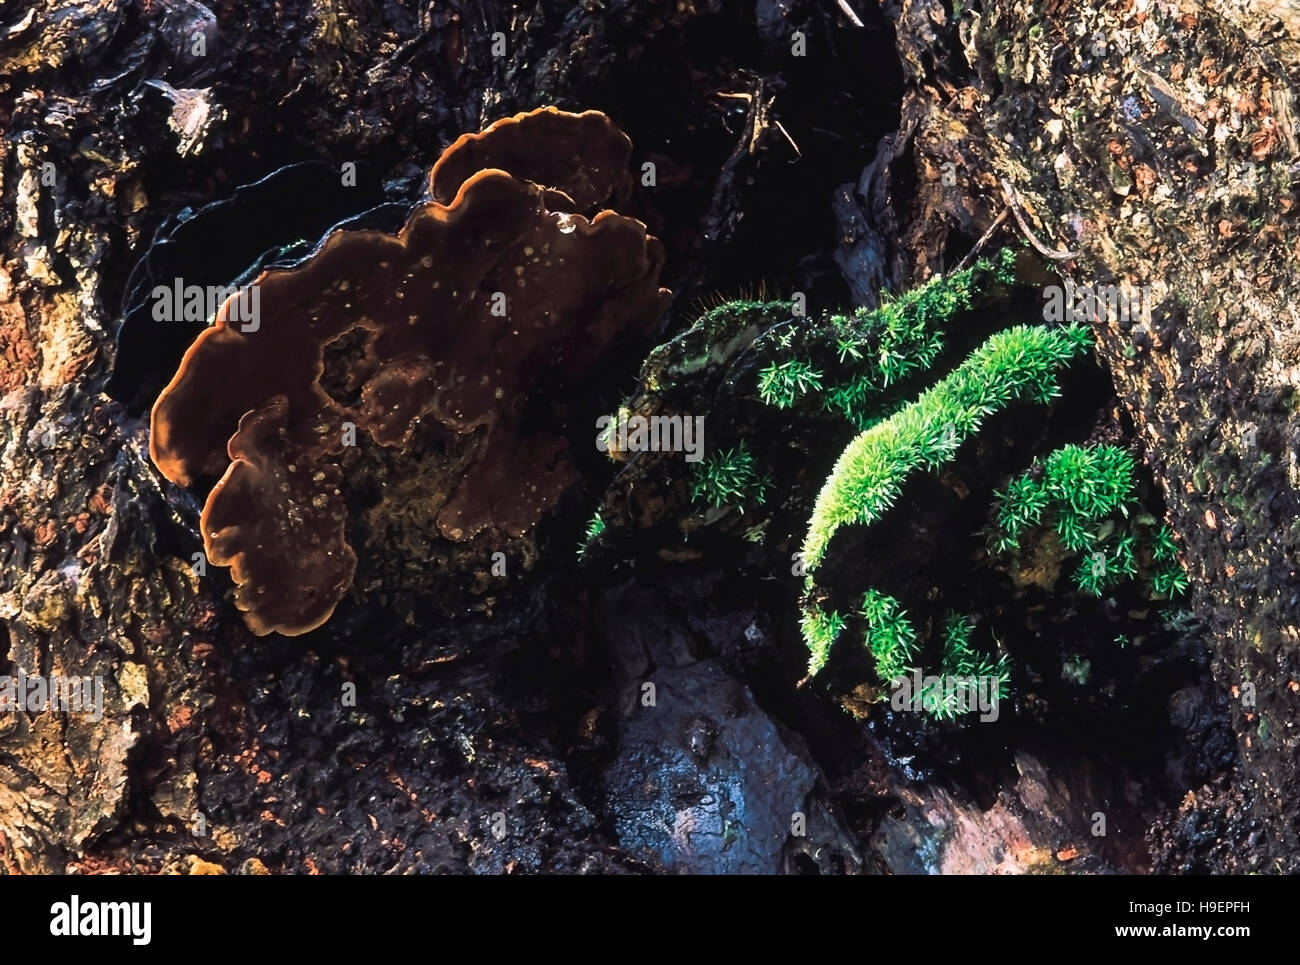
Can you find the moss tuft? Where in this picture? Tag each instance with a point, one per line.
(890, 635)
(728, 478)
(1021, 362)
(1087, 493)
(820, 630)
(595, 526)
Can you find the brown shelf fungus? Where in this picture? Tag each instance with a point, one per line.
(496, 282)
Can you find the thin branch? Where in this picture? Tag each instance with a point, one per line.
(781, 127)
(848, 12)
(984, 238)
(1013, 199)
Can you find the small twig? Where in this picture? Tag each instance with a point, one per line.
(984, 238)
(1013, 199)
(297, 87)
(848, 12)
(781, 127)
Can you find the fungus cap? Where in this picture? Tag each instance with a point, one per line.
(452, 320)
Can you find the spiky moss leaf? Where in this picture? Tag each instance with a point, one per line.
(877, 348)
(819, 632)
(1085, 487)
(961, 670)
(1124, 560)
(1166, 548)
(957, 652)
(890, 635)
(1092, 575)
(1092, 481)
(1099, 571)
(869, 474)
(1074, 534)
(595, 526)
(1020, 507)
(729, 478)
(781, 383)
(1169, 580)
(950, 696)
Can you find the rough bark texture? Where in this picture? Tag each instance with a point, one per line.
(500, 730)
(1159, 140)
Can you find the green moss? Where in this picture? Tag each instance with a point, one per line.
(1167, 577)
(781, 383)
(820, 629)
(851, 361)
(1019, 508)
(1020, 363)
(960, 659)
(729, 478)
(1100, 570)
(862, 366)
(1090, 482)
(1169, 581)
(1165, 548)
(890, 635)
(1088, 494)
(964, 664)
(595, 526)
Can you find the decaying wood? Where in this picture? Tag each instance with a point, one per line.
(1156, 137)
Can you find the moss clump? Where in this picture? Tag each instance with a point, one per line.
(781, 383)
(1020, 363)
(1083, 485)
(1168, 578)
(851, 362)
(820, 629)
(595, 526)
(1087, 495)
(964, 666)
(729, 478)
(890, 635)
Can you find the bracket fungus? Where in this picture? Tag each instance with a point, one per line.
(499, 284)
(227, 242)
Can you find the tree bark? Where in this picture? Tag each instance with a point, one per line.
(1159, 142)
(1155, 139)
